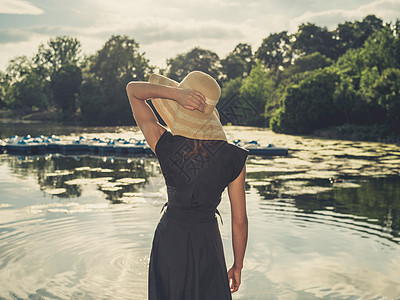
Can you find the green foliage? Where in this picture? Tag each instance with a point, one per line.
(92, 100)
(65, 85)
(196, 59)
(17, 68)
(232, 87)
(373, 112)
(112, 67)
(311, 38)
(29, 81)
(119, 59)
(350, 107)
(275, 51)
(28, 94)
(230, 94)
(367, 91)
(372, 132)
(23, 89)
(58, 52)
(58, 76)
(364, 68)
(233, 66)
(379, 50)
(308, 105)
(3, 88)
(255, 92)
(352, 35)
(386, 93)
(275, 83)
(310, 62)
(238, 63)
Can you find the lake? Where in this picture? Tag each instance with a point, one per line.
(324, 221)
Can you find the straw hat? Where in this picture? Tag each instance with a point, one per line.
(191, 123)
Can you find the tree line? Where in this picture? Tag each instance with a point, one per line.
(294, 83)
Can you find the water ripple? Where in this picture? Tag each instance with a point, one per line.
(285, 208)
(74, 254)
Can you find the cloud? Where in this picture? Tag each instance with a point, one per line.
(167, 28)
(26, 47)
(387, 10)
(164, 29)
(13, 36)
(19, 7)
(149, 31)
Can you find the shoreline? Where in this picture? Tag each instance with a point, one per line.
(354, 133)
(358, 133)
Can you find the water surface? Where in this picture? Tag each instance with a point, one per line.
(324, 222)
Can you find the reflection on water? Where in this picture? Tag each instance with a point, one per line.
(65, 176)
(324, 222)
(372, 203)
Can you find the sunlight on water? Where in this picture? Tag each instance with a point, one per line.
(323, 222)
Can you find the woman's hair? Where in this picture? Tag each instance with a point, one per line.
(199, 146)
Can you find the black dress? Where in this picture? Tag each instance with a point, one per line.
(187, 258)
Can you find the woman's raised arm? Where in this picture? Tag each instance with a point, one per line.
(145, 118)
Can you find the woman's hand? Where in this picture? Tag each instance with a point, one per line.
(191, 99)
(234, 275)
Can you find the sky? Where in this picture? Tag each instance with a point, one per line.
(165, 28)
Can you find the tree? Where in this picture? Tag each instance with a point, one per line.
(92, 100)
(274, 51)
(310, 62)
(380, 49)
(4, 86)
(29, 79)
(196, 59)
(396, 33)
(308, 105)
(369, 25)
(352, 35)
(347, 35)
(386, 93)
(350, 106)
(371, 112)
(23, 88)
(232, 67)
(230, 95)
(255, 92)
(28, 94)
(244, 51)
(111, 68)
(65, 85)
(311, 38)
(17, 68)
(63, 50)
(237, 63)
(120, 59)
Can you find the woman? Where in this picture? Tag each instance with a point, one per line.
(187, 259)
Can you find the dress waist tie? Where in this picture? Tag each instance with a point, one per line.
(189, 215)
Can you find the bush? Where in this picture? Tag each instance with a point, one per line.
(308, 105)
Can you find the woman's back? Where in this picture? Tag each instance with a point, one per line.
(196, 180)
